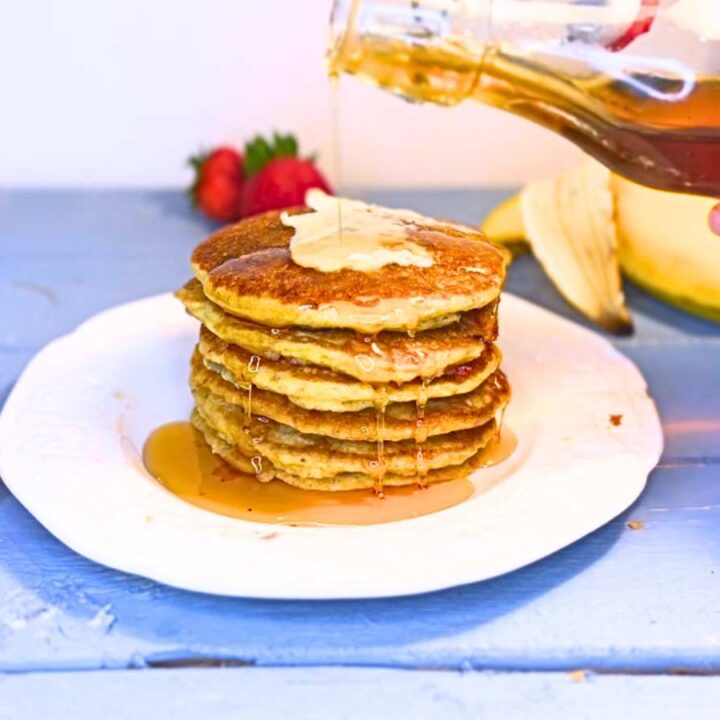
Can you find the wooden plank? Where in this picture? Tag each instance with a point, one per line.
(52, 296)
(297, 694)
(107, 224)
(620, 599)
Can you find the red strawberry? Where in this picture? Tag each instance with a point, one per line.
(276, 176)
(224, 160)
(218, 196)
(218, 185)
(281, 183)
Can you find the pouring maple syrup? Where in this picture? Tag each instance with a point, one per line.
(565, 64)
(178, 457)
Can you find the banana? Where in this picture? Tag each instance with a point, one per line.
(587, 224)
(667, 247)
(505, 225)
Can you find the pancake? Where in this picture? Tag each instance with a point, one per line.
(247, 270)
(316, 456)
(317, 388)
(440, 416)
(389, 357)
(333, 483)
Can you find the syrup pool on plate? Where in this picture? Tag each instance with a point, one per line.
(177, 455)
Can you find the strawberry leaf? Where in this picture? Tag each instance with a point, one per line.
(259, 152)
(285, 145)
(196, 162)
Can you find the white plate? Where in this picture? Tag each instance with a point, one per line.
(71, 430)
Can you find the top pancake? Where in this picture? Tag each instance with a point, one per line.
(248, 270)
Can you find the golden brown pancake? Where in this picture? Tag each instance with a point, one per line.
(333, 483)
(317, 388)
(389, 357)
(439, 416)
(317, 456)
(346, 379)
(247, 270)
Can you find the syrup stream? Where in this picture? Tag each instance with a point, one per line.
(336, 141)
(381, 402)
(421, 434)
(256, 460)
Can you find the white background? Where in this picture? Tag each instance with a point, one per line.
(120, 92)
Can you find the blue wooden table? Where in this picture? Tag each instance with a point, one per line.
(622, 619)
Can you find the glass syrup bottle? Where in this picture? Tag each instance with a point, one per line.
(635, 83)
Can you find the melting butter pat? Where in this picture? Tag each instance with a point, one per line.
(347, 234)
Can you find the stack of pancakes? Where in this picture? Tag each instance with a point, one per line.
(347, 379)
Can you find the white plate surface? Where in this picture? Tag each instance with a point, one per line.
(71, 430)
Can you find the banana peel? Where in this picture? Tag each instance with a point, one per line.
(587, 224)
(568, 223)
